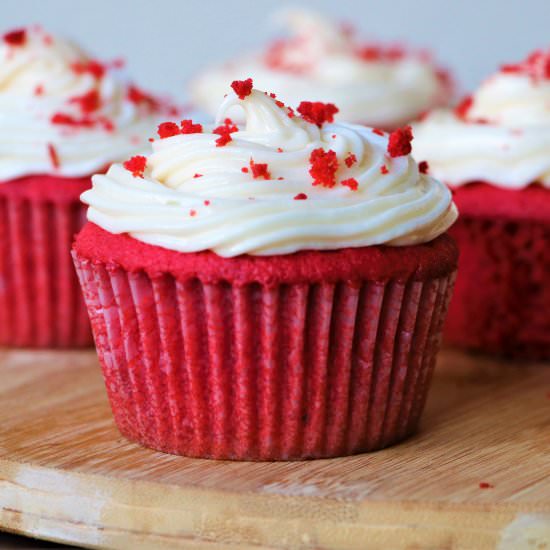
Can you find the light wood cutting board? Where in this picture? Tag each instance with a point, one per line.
(67, 475)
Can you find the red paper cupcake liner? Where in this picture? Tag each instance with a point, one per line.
(501, 302)
(40, 299)
(264, 371)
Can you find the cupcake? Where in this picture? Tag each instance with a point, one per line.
(379, 85)
(494, 151)
(267, 292)
(64, 116)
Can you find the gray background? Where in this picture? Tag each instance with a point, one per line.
(166, 41)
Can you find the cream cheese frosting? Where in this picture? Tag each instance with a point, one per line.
(62, 112)
(372, 84)
(500, 135)
(256, 194)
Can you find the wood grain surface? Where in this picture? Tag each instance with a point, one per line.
(67, 475)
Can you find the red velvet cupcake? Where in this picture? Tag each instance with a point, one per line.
(64, 117)
(270, 292)
(494, 150)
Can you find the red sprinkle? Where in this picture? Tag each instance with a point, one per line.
(136, 165)
(423, 167)
(350, 160)
(242, 88)
(352, 183)
(192, 213)
(324, 165)
(300, 197)
(461, 110)
(317, 112)
(378, 132)
(16, 37)
(187, 127)
(93, 67)
(54, 157)
(485, 485)
(168, 129)
(384, 169)
(89, 102)
(399, 143)
(197, 176)
(259, 170)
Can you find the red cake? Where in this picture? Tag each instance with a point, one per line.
(241, 305)
(64, 117)
(494, 150)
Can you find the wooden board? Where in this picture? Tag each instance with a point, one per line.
(67, 475)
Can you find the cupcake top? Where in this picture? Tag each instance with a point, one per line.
(384, 86)
(285, 181)
(500, 135)
(63, 112)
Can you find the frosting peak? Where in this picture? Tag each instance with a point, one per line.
(276, 185)
(53, 96)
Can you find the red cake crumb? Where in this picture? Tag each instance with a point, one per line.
(54, 157)
(461, 110)
(107, 124)
(423, 167)
(39, 90)
(324, 165)
(378, 132)
(225, 131)
(317, 112)
(259, 170)
(244, 170)
(139, 97)
(350, 160)
(17, 37)
(536, 66)
(352, 183)
(206, 203)
(384, 169)
(88, 102)
(375, 52)
(188, 127)
(197, 176)
(136, 165)
(168, 129)
(485, 485)
(242, 88)
(92, 66)
(280, 178)
(63, 119)
(279, 150)
(300, 197)
(399, 143)
(192, 212)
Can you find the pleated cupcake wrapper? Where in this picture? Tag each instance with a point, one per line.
(40, 300)
(264, 373)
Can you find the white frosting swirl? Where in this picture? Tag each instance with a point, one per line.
(228, 211)
(45, 76)
(322, 63)
(504, 137)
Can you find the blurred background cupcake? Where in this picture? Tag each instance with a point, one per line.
(494, 150)
(377, 84)
(63, 116)
(269, 292)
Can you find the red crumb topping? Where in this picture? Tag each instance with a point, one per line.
(136, 165)
(259, 170)
(375, 52)
(39, 89)
(378, 132)
(17, 37)
(139, 97)
(290, 112)
(192, 213)
(188, 127)
(461, 110)
(54, 157)
(279, 150)
(324, 165)
(197, 176)
(536, 66)
(64, 119)
(317, 112)
(384, 169)
(423, 167)
(89, 102)
(244, 169)
(168, 129)
(485, 485)
(225, 132)
(93, 67)
(300, 197)
(206, 203)
(242, 88)
(350, 160)
(352, 183)
(399, 143)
